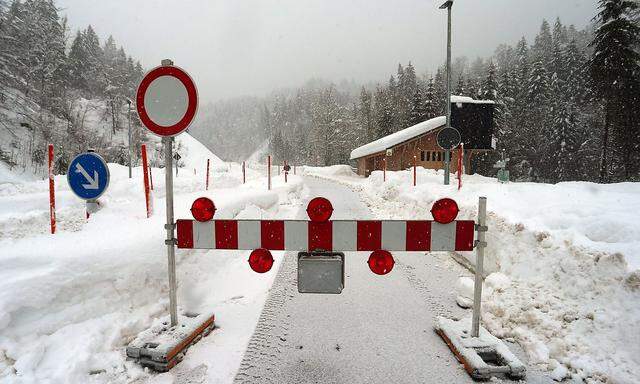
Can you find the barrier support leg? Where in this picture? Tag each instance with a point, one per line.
(482, 354)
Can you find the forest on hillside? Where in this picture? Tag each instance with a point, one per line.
(61, 87)
(566, 105)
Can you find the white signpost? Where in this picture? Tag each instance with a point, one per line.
(167, 101)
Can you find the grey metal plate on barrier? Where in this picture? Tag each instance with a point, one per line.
(320, 272)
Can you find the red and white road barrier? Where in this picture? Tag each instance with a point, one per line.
(244, 173)
(340, 235)
(207, 177)
(52, 194)
(443, 233)
(145, 171)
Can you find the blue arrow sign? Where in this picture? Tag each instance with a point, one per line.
(88, 176)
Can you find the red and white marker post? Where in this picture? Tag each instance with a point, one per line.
(384, 170)
(207, 181)
(151, 178)
(145, 172)
(414, 171)
(285, 171)
(269, 172)
(244, 173)
(52, 194)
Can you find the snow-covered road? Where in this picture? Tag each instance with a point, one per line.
(379, 330)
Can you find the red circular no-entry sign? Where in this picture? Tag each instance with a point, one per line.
(167, 100)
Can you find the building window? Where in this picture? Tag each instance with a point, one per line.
(428, 157)
(439, 156)
(421, 155)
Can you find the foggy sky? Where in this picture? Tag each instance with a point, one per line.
(241, 47)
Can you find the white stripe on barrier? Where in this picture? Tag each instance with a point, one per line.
(249, 236)
(345, 234)
(394, 235)
(443, 236)
(296, 235)
(204, 235)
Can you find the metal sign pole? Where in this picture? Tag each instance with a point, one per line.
(129, 117)
(448, 5)
(477, 289)
(170, 241)
(447, 155)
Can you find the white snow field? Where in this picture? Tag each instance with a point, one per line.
(71, 302)
(562, 262)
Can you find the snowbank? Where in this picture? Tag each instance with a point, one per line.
(196, 154)
(568, 288)
(71, 302)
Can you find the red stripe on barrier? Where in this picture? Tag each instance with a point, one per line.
(272, 234)
(320, 235)
(418, 236)
(369, 235)
(226, 234)
(185, 233)
(464, 235)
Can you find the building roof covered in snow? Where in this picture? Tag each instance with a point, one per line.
(399, 137)
(466, 99)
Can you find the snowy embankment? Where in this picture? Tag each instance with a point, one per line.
(562, 260)
(70, 302)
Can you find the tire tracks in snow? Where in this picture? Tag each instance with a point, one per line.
(270, 335)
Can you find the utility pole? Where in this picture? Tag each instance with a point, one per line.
(447, 153)
(129, 117)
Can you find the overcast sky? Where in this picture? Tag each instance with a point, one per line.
(242, 47)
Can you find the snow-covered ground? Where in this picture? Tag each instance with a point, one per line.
(564, 277)
(70, 302)
(563, 264)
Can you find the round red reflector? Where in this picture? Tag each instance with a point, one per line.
(319, 209)
(260, 260)
(203, 209)
(444, 210)
(381, 262)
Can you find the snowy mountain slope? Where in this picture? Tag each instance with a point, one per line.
(26, 129)
(563, 262)
(70, 302)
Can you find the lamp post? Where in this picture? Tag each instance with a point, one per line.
(129, 117)
(447, 153)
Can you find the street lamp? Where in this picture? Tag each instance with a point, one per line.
(129, 117)
(447, 153)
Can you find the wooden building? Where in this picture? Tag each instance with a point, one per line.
(475, 124)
